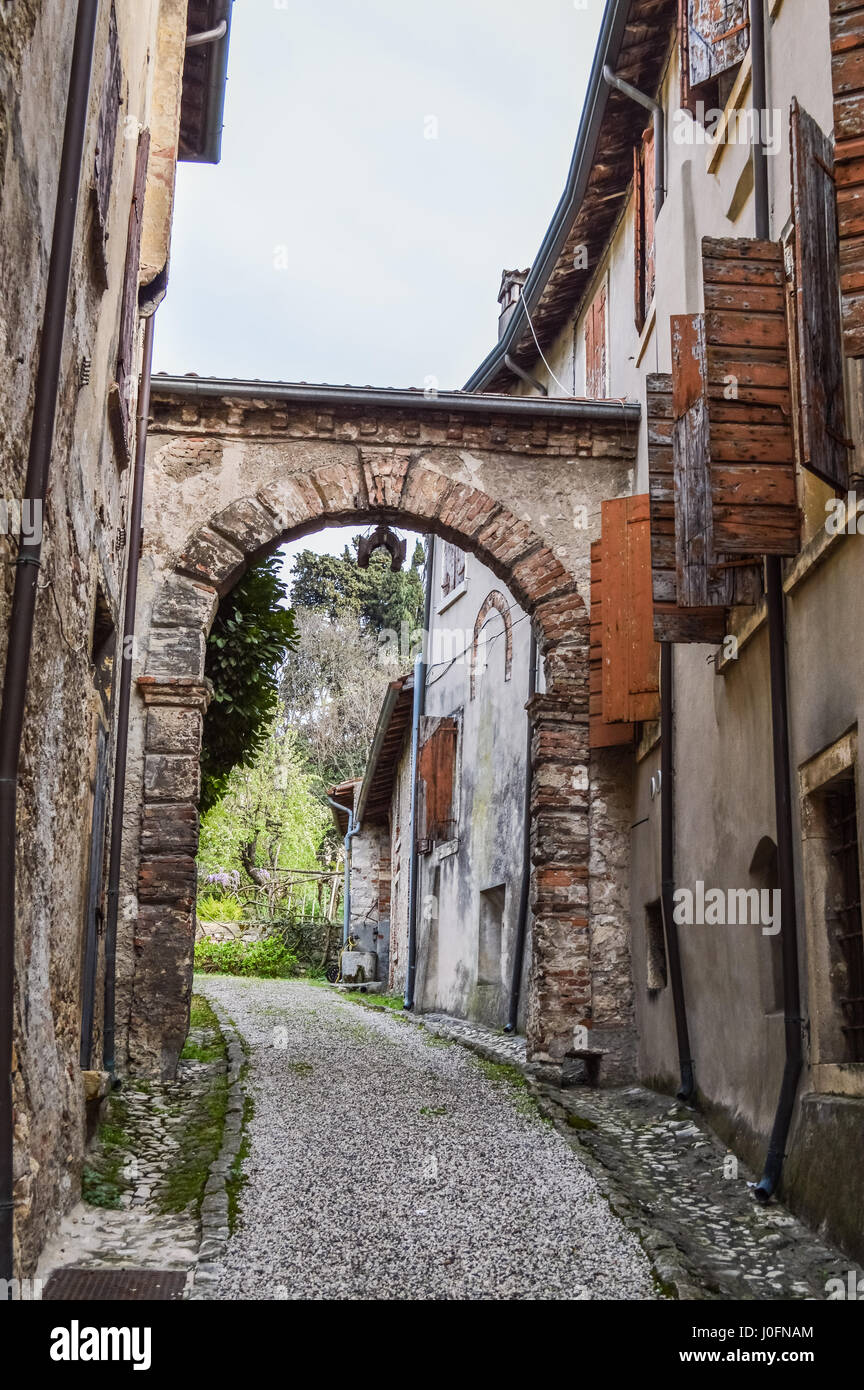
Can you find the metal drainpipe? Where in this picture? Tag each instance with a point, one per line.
(419, 705)
(612, 80)
(687, 1088)
(346, 896)
(123, 702)
(208, 35)
(525, 885)
(20, 635)
(779, 715)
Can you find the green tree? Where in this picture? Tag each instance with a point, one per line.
(268, 817)
(381, 599)
(251, 633)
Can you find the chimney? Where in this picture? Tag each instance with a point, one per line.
(508, 295)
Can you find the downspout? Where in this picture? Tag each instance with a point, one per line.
(20, 634)
(419, 706)
(123, 702)
(208, 35)
(687, 1088)
(525, 884)
(779, 714)
(612, 80)
(346, 896)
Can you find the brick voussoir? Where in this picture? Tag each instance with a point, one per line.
(247, 523)
(212, 558)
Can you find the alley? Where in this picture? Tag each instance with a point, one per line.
(384, 1163)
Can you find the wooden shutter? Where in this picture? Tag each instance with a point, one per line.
(106, 132)
(824, 448)
(631, 657)
(436, 774)
(688, 101)
(672, 622)
(847, 72)
(601, 735)
(122, 390)
(718, 37)
(595, 347)
(639, 238)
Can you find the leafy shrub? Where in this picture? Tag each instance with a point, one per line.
(211, 908)
(269, 958)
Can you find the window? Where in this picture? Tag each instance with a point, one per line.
(843, 915)
(452, 568)
(492, 902)
(596, 355)
(656, 974)
(713, 37)
(644, 215)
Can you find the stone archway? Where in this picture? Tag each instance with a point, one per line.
(250, 467)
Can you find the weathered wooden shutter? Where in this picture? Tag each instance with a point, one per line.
(601, 735)
(639, 238)
(824, 448)
(595, 347)
(121, 394)
(631, 657)
(847, 72)
(436, 774)
(672, 622)
(688, 101)
(106, 131)
(718, 37)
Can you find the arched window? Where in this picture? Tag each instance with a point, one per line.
(493, 600)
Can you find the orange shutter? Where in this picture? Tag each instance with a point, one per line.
(719, 36)
(437, 770)
(120, 400)
(631, 657)
(648, 202)
(595, 347)
(601, 735)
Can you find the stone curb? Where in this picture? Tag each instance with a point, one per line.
(667, 1262)
(215, 1230)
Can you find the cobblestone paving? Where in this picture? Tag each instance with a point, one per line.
(688, 1198)
(132, 1171)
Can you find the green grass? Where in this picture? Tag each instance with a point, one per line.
(433, 1110)
(102, 1181)
(237, 1179)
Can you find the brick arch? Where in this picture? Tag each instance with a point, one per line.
(252, 474)
(494, 602)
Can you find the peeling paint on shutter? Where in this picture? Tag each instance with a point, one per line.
(638, 239)
(601, 735)
(672, 622)
(644, 249)
(595, 347)
(817, 300)
(718, 37)
(119, 403)
(631, 657)
(437, 770)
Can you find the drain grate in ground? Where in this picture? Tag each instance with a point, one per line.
(127, 1285)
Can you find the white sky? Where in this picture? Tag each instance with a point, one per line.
(393, 243)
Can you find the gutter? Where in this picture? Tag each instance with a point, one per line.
(123, 701)
(220, 37)
(444, 402)
(608, 45)
(21, 622)
(612, 80)
(792, 1019)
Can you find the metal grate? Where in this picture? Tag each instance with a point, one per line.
(123, 1285)
(843, 821)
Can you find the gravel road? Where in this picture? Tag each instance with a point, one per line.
(387, 1164)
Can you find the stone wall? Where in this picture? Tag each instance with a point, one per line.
(67, 720)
